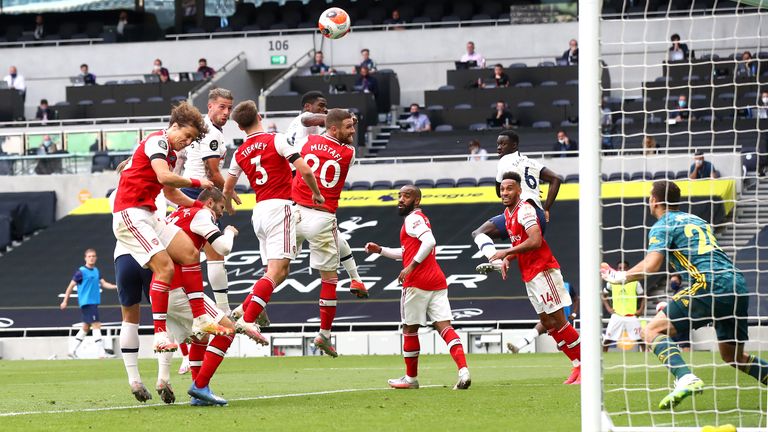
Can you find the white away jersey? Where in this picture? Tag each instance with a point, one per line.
(162, 208)
(529, 171)
(297, 132)
(212, 145)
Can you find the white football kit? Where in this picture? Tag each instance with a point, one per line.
(529, 171)
(211, 145)
(297, 132)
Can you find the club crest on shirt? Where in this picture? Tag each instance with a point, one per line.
(214, 145)
(163, 144)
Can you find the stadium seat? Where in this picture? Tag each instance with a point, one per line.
(618, 176)
(518, 65)
(681, 175)
(466, 182)
(663, 175)
(108, 101)
(241, 189)
(568, 123)
(486, 181)
(360, 185)
(445, 183)
(572, 82)
(571, 178)
(462, 106)
(626, 121)
(155, 99)
(397, 184)
(177, 99)
(641, 175)
(85, 102)
(100, 162)
(346, 185)
(542, 124)
(561, 103)
(425, 183)
(525, 104)
(132, 100)
(478, 126)
(444, 128)
(446, 88)
(546, 64)
(524, 84)
(548, 83)
(381, 185)
(435, 108)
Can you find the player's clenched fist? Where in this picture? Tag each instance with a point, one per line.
(371, 247)
(232, 229)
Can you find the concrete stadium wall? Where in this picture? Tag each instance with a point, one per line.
(420, 57)
(71, 188)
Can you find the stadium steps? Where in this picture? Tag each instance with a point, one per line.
(751, 217)
(380, 138)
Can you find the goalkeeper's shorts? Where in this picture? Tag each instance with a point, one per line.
(725, 306)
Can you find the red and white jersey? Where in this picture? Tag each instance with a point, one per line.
(532, 262)
(138, 186)
(265, 159)
(330, 161)
(197, 222)
(428, 275)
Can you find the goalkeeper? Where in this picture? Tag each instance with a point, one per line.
(717, 293)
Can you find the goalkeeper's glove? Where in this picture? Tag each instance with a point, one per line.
(611, 275)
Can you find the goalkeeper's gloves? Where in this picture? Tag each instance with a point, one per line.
(611, 275)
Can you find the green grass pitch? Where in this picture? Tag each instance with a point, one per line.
(508, 393)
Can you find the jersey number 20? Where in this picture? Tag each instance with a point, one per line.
(314, 163)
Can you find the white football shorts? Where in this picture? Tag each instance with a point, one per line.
(319, 229)
(618, 324)
(179, 317)
(422, 307)
(137, 230)
(274, 222)
(547, 292)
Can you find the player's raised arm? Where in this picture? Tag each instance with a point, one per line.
(554, 181)
(312, 119)
(649, 265)
(177, 197)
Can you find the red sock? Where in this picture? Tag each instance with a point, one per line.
(184, 349)
(454, 346)
(569, 342)
(158, 295)
(192, 279)
(262, 291)
(214, 354)
(411, 354)
(327, 303)
(196, 355)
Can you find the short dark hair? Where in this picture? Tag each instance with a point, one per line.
(203, 60)
(336, 117)
(511, 135)
(414, 105)
(185, 114)
(498, 65)
(563, 131)
(666, 192)
(474, 143)
(365, 50)
(675, 37)
(311, 97)
(511, 175)
(89, 250)
(84, 65)
(699, 152)
(246, 114)
(43, 101)
(212, 193)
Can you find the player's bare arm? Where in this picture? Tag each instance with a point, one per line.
(310, 120)
(167, 178)
(649, 265)
(177, 197)
(230, 194)
(213, 171)
(107, 285)
(554, 181)
(67, 293)
(309, 178)
(606, 303)
(641, 307)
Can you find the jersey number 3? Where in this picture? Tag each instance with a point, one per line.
(707, 241)
(259, 169)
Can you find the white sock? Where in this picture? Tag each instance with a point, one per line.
(463, 371)
(217, 277)
(410, 379)
(485, 245)
(326, 333)
(347, 260)
(97, 337)
(528, 339)
(129, 345)
(164, 366)
(79, 339)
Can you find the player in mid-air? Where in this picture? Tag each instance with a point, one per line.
(533, 173)
(266, 160)
(717, 293)
(89, 282)
(425, 290)
(311, 121)
(329, 156)
(191, 228)
(134, 223)
(539, 269)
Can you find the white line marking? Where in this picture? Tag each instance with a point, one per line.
(277, 396)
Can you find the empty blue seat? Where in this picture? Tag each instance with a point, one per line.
(640, 175)
(618, 176)
(663, 175)
(542, 124)
(681, 175)
(571, 178)
(546, 64)
(526, 104)
(381, 185)
(561, 102)
(548, 83)
(85, 102)
(518, 65)
(155, 99)
(444, 128)
(435, 108)
(425, 183)
(446, 87)
(524, 84)
(486, 181)
(478, 126)
(347, 185)
(462, 106)
(132, 100)
(241, 189)
(360, 185)
(466, 182)
(400, 183)
(445, 183)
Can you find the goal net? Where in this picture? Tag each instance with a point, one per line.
(688, 97)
